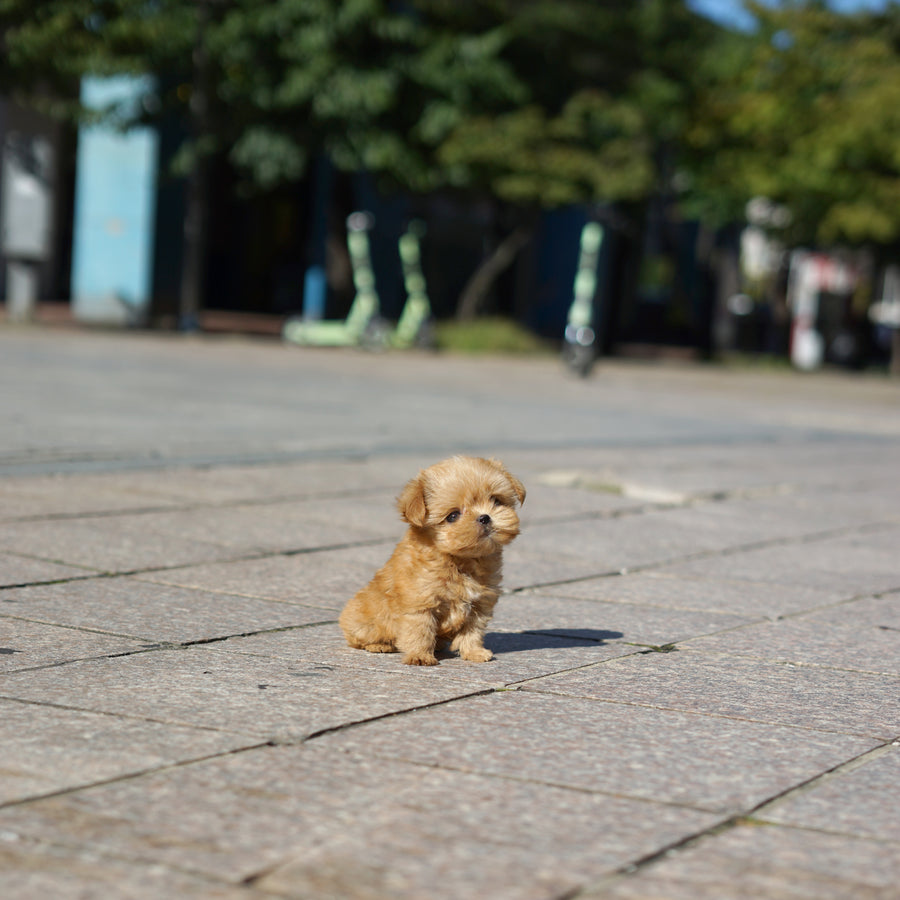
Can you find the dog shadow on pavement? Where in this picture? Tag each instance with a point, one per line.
(501, 642)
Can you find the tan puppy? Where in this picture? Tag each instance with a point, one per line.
(443, 579)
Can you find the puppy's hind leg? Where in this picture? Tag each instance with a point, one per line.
(370, 643)
(371, 639)
(363, 634)
(380, 648)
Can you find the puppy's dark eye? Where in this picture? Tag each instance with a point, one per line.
(453, 517)
(498, 501)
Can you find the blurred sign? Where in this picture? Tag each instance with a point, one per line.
(886, 312)
(26, 197)
(810, 275)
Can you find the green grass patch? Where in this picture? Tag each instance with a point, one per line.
(759, 362)
(488, 335)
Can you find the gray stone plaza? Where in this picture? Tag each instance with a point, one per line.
(696, 685)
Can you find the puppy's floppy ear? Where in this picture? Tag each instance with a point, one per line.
(411, 501)
(517, 485)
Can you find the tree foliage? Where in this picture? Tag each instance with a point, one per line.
(48, 46)
(536, 103)
(806, 111)
(533, 102)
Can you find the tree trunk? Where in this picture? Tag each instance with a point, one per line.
(472, 297)
(195, 242)
(197, 201)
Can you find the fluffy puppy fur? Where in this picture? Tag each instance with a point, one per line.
(443, 580)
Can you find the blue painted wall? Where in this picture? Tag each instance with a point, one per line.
(115, 198)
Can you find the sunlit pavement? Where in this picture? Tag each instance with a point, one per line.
(696, 683)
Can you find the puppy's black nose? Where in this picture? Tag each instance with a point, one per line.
(484, 520)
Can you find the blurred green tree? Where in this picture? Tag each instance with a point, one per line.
(529, 103)
(806, 112)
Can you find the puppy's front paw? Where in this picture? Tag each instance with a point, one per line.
(414, 658)
(476, 654)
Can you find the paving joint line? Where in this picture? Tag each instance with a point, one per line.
(272, 740)
(837, 603)
(245, 557)
(23, 701)
(521, 779)
(589, 516)
(345, 726)
(199, 642)
(734, 820)
(692, 712)
(94, 461)
(698, 555)
(135, 859)
(148, 647)
(129, 776)
(199, 505)
(889, 745)
(688, 501)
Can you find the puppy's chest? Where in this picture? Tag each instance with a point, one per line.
(459, 593)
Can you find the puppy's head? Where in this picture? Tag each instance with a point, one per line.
(466, 504)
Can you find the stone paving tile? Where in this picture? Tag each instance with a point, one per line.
(279, 527)
(614, 544)
(109, 544)
(33, 868)
(548, 613)
(743, 598)
(270, 482)
(92, 493)
(751, 862)
(63, 495)
(124, 543)
(47, 749)
(858, 801)
(526, 565)
(668, 476)
(800, 513)
(663, 538)
(881, 612)
(724, 685)
(153, 612)
(668, 756)
(775, 500)
(841, 507)
(324, 578)
(24, 645)
(317, 823)
(22, 570)
(205, 687)
(804, 510)
(516, 656)
(492, 838)
(878, 500)
(712, 527)
(16, 506)
(863, 634)
(546, 501)
(704, 468)
(864, 562)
